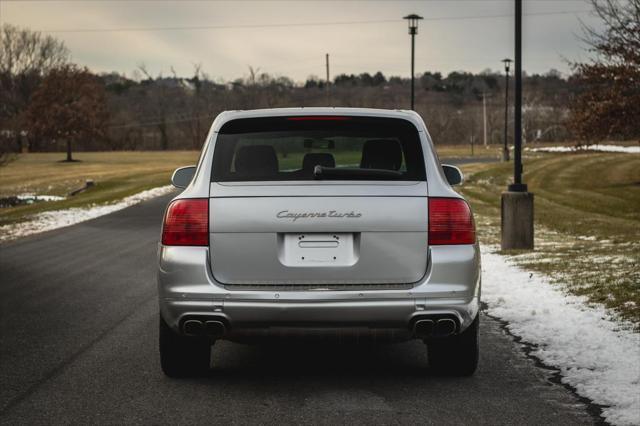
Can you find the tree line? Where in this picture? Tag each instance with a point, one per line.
(48, 103)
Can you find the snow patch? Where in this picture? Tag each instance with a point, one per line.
(34, 197)
(595, 354)
(594, 147)
(47, 221)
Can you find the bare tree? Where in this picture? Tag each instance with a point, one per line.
(157, 103)
(24, 51)
(69, 105)
(608, 104)
(197, 107)
(25, 57)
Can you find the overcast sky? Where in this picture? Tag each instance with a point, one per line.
(455, 35)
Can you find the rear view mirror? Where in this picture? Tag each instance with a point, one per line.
(182, 177)
(453, 174)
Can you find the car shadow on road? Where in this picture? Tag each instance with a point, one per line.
(325, 359)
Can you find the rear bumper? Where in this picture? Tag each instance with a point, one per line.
(187, 289)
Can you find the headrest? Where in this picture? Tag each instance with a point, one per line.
(256, 160)
(323, 159)
(383, 154)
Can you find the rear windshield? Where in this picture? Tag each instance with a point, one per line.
(315, 147)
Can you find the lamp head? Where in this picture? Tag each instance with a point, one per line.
(507, 64)
(412, 20)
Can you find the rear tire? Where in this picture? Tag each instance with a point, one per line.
(182, 356)
(456, 355)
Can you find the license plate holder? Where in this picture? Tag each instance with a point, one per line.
(318, 250)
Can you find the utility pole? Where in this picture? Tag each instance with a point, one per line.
(328, 79)
(413, 30)
(517, 202)
(484, 118)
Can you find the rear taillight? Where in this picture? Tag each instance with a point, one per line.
(450, 222)
(186, 223)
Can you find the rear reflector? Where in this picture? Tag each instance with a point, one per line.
(186, 223)
(450, 222)
(318, 118)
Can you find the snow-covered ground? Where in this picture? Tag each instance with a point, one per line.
(30, 197)
(595, 147)
(54, 219)
(595, 354)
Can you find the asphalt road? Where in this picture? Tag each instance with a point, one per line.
(78, 344)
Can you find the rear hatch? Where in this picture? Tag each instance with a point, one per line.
(318, 202)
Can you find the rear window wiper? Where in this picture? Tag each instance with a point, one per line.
(321, 172)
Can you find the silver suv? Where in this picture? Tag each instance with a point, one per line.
(318, 222)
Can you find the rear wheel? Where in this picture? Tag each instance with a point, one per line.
(456, 355)
(182, 356)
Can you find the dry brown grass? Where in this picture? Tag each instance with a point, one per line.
(464, 150)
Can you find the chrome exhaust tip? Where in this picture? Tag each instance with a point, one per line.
(444, 327)
(423, 328)
(193, 328)
(215, 329)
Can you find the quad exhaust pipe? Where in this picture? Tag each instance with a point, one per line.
(445, 327)
(423, 328)
(209, 328)
(442, 327)
(215, 329)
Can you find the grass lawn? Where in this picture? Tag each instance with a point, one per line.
(587, 219)
(116, 175)
(464, 150)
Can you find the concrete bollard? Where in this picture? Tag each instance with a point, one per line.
(517, 220)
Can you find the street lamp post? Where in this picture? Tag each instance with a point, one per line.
(517, 201)
(505, 149)
(518, 185)
(413, 30)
